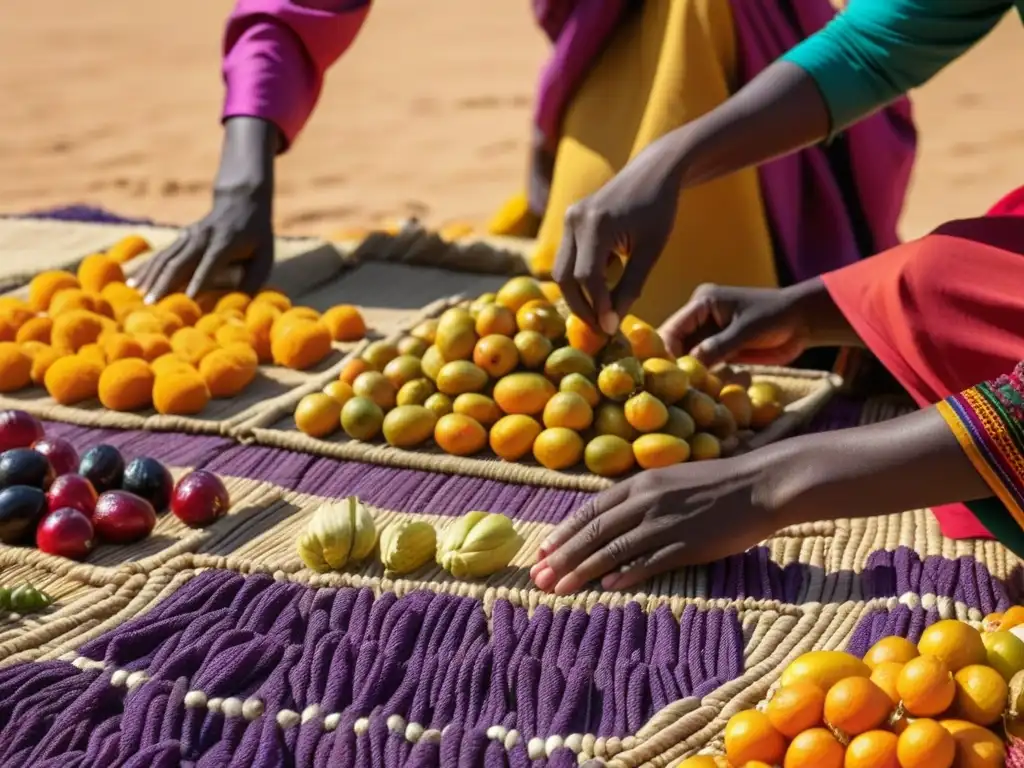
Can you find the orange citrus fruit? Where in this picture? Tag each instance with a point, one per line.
(855, 705)
(795, 708)
(873, 749)
(925, 744)
(885, 676)
(956, 643)
(894, 648)
(980, 694)
(925, 686)
(816, 748)
(749, 735)
(318, 414)
(976, 747)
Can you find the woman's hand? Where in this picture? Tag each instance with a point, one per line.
(632, 214)
(237, 232)
(659, 521)
(767, 326)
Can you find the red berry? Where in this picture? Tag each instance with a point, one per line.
(72, 491)
(18, 429)
(200, 498)
(62, 454)
(123, 517)
(67, 533)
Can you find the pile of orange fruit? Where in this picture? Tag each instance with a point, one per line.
(512, 372)
(91, 335)
(949, 701)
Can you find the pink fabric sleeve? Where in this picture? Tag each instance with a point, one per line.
(276, 53)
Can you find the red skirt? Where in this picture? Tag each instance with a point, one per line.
(944, 313)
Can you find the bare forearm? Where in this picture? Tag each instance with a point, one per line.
(825, 325)
(911, 462)
(780, 111)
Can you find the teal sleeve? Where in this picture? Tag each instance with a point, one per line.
(876, 50)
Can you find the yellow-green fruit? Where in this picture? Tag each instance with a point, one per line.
(533, 348)
(415, 392)
(704, 447)
(337, 533)
(409, 425)
(456, 335)
(582, 386)
(403, 369)
(407, 545)
(608, 456)
(410, 345)
(361, 418)
(477, 545)
(694, 368)
(426, 330)
(461, 376)
(724, 425)
(1004, 652)
(380, 353)
(439, 403)
(565, 361)
(477, 406)
(431, 363)
(679, 424)
(610, 419)
(665, 380)
(617, 348)
(700, 407)
(645, 412)
(376, 387)
(824, 669)
(656, 450)
(618, 380)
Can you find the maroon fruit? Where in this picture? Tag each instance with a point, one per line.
(25, 466)
(21, 509)
(18, 429)
(62, 454)
(123, 517)
(66, 532)
(200, 498)
(72, 491)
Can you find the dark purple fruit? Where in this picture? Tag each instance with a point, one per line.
(25, 466)
(21, 509)
(102, 466)
(150, 480)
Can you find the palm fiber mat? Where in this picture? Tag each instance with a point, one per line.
(215, 647)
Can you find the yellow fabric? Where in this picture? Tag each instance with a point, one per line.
(669, 63)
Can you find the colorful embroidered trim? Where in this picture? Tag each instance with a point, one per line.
(987, 421)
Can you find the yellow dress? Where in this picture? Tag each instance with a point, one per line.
(666, 65)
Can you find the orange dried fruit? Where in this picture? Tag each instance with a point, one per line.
(375, 386)
(97, 271)
(192, 345)
(73, 330)
(980, 694)
(795, 708)
(169, 363)
(816, 748)
(153, 345)
(496, 355)
(584, 338)
(235, 300)
(72, 379)
(855, 705)
(100, 305)
(567, 409)
(69, 299)
(259, 319)
(41, 362)
(512, 436)
(233, 333)
(345, 323)
(127, 248)
(893, 648)
(121, 346)
(181, 306)
(885, 675)
(558, 448)
(925, 686)
(126, 385)
(749, 735)
(645, 412)
(15, 367)
(275, 299)
(229, 370)
(477, 406)
(525, 393)
(16, 314)
(608, 456)
(318, 415)
(495, 320)
(46, 285)
(873, 749)
(36, 329)
(180, 392)
(958, 644)
(460, 435)
(93, 352)
(925, 744)
(302, 345)
(209, 324)
(152, 320)
(1013, 617)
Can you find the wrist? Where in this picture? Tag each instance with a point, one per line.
(818, 315)
(247, 157)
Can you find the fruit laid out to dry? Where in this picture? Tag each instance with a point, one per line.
(476, 545)
(91, 335)
(507, 371)
(61, 504)
(23, 598)
(953, 700)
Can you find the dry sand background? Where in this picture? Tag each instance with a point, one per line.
(116, 104)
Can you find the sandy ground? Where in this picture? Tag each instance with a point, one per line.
(117, 105)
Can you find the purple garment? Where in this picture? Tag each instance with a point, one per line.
(801, 193)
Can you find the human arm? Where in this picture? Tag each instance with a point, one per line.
(691, 514)
(275, 55)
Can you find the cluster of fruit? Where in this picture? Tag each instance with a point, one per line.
(23, 598)
(62, 503)
(91, 335)
(945, 702)
(509, 371)
(476, 545)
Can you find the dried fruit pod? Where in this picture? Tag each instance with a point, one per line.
(73, 379)
(407, 545)
(337, 534)
(181, 392)
(230, 370)
(97, 271)
(15, 367)
(126, 385)
(478, 544)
